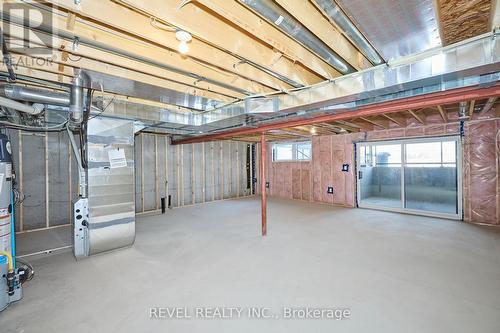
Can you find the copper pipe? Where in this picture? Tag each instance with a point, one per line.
(263, 167)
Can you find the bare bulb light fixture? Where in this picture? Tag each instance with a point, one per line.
(183, 37)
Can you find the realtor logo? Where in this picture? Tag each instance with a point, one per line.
(28, 28)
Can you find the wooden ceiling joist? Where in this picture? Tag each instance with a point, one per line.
(326, 128)
(443, 113)
(238, 15)
(374, 123)
(471, 108)
(417, 117)
(489, 104)
(393, 119)
(103, 60)
(110, 14)
(163, 61)
(210, 29)
(307, 13)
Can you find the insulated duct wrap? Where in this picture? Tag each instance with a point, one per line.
(110, 184)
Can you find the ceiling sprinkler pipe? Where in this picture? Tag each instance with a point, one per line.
(288, 24)
(335, 13)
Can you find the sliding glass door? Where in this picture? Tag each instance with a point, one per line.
(416, 175)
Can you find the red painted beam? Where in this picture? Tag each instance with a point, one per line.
(422, 101)
(263, 168)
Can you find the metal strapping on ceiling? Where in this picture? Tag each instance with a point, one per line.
(396, 28)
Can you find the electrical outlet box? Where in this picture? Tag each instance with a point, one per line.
(345, 167)
(329, 190)
(267, 184)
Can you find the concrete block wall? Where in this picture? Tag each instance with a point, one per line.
(189, 174)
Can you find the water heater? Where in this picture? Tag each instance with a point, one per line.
(5, 195)
(10, 285)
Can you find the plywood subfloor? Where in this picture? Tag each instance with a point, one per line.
(396, 273)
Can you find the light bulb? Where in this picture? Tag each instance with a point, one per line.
(313, 130)
(183, 48)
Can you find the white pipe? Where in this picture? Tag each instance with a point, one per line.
(33, 110)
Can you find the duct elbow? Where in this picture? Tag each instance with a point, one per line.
(76, 100)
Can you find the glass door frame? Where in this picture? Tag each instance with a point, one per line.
(402, 209)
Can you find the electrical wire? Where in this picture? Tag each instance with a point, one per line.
(104, 109)
(7, 59)
(55, 128)
(31, 270)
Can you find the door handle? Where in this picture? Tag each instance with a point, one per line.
(360, 174)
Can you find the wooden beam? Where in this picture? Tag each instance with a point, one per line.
(373, 122)
(296, 132)
(489, 104)
(113, 70)
(245, 19)
(443, 114)
(394, 120)
(124, 20)
(349, 124)
(331, 128)
(209, 29)
(263, 169)
(313, 19)
(427, 100)
(471, 108)
(84, 56)
(154, 53)
(494, 21)
(439, 19)
(417, 117)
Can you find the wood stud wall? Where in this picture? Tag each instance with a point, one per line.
(47, 179)
(309, 180)
(190, 174)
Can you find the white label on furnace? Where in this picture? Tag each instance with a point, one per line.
(117, 158)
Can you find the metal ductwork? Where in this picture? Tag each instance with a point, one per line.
(286, 23)
(335, 13)
(76, 99)
(34, 95)
(462, 110)
(34, 109)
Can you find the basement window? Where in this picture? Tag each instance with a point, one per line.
(292, 151)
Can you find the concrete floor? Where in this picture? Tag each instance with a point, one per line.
(43, 240)
(425, 206)
(396, 273)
